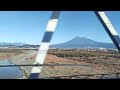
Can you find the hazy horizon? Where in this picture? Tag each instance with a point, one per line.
(29, 26)
(56, 43)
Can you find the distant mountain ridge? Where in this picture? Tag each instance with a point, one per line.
(12, 44)
(17, 45)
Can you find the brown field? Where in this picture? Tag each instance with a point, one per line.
(93, 64)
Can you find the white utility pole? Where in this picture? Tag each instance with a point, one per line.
(42, 52)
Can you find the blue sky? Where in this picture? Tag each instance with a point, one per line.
(28, 26)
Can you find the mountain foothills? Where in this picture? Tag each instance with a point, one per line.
(75, 43)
